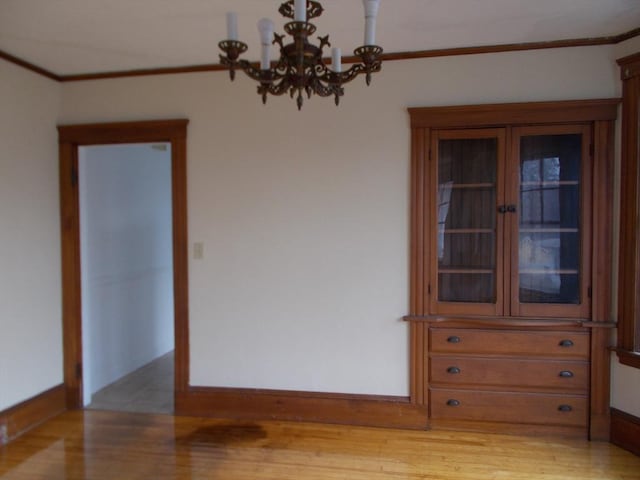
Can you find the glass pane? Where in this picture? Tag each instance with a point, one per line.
(461, 287)
(467, 173)
(549, 248)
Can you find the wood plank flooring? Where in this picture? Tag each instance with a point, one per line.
(100, 445)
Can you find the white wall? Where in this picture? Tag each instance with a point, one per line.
(304, 215)
(30, 306)
(127, 273)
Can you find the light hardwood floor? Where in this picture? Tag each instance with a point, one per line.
(107, 445)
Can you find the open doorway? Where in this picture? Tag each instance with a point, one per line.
(72, 139)
(127, 277)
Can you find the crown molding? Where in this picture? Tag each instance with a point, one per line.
(29, 66)
(410, 55)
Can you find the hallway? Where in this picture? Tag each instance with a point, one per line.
(147, 390)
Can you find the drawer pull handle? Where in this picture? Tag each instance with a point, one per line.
(565, 408)
(453, 370)
(453, 403)
(566, 374)
(566, 343)
(454, 339)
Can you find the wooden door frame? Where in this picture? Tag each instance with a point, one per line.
(70, 138)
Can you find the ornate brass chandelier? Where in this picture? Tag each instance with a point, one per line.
(301, 68)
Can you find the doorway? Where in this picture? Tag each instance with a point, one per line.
(71, 139)
(127, 276)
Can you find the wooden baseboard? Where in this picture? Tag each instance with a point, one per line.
(625, 431)
(345, 409)
(18, 419)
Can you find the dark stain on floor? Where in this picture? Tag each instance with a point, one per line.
(224, 434)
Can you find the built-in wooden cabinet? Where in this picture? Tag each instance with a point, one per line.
(511, 265)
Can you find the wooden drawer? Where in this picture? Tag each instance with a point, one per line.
(510, 342)
(533, 408)
(510, 372)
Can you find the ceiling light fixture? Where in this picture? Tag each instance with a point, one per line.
(301, 68)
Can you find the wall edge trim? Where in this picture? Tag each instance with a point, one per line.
(18, 419)
(407, 55)
(315, 407)
(625, 431)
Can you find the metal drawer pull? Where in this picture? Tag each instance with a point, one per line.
(565, 374)
(453, 403)
(453, 370)
(566, 343)
(565, 408)
(454, 339)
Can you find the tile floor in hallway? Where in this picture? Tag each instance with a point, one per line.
(147, 390)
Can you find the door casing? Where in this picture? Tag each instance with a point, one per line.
(70, 137)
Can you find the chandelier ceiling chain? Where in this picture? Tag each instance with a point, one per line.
(301, 68)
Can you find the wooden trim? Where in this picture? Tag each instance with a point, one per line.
(625, 357)
(625, 431)
(627, 35)
(629, 268)
(70, 138)
(418, 295)
(600, 385)
(144, 72)
(530, 113)
(601, 313)
(71, 276)
(24, 416)
(123, 132)
(29, 66)
(602, 212)
(497, 321)
(412, 55)
(347, 409)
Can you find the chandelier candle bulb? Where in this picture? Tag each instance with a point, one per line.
(266, 28)
(336, 55)
(232, 26)
(370, 15)
(300, 11)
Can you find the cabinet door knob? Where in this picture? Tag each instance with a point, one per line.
(566, 374)
(453, 370)
(565, 408)
(454, 339)
(566, 343)
(453, 402)
(502, 209)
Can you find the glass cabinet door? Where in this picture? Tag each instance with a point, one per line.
(467, 169)
(548, 244)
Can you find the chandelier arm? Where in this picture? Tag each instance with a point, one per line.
(279, 87)
(340, 78)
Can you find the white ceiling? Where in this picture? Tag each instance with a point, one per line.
(88, 36)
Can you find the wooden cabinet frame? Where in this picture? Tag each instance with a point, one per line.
(599, 115)
(629, 268)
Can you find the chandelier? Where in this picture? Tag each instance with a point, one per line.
(301, 68)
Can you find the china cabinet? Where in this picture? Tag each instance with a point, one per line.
(511, 266)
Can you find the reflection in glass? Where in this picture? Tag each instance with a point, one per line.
(466, 209)
(549, 237)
